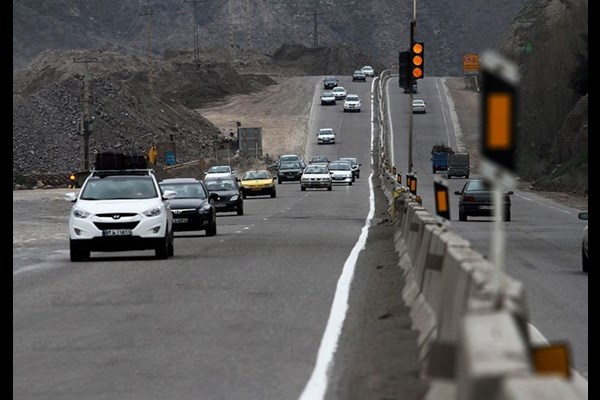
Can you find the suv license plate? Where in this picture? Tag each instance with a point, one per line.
(116, 232)
(180, 220)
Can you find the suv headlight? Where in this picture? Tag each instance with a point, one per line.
(80, 213)
(153, 212)
(234, 197)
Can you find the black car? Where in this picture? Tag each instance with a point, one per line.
(330, 82)
(229, 194)
(192, 207)
(289, 171)
(477, 200)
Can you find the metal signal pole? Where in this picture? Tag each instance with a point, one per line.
(316, 29)
(87, 119)
(413, 26)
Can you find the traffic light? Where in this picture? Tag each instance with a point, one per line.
(417, 60)
(403, 69)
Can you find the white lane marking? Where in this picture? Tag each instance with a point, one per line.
(458, 135)
(316, 387)
(579, 381)
(437, 86)
(47, 264)
(543, 205)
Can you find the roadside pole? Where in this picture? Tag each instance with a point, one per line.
(499, 107)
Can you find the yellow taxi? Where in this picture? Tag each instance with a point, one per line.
(258, 183)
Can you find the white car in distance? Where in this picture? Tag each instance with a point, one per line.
(220, 171)
(419, 106)
(352, 103)
(368, 70)
(341, 172)
(339, 93)
(326, 135)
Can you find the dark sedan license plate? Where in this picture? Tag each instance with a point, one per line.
(180, 220)
(218, 205)
(116, 232)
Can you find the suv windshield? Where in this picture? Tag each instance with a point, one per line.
(119, 187)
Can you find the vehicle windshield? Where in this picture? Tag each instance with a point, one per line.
(477, 186)
(290, 165)
(117, 188)
(351, 98)
(326, 132)
(192, 190)
(340, 167)
(220, 184)
(327, 94)
(219, 170)
(315, 170)
(256, 175)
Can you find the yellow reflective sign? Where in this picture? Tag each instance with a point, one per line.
(499, 108)
(442, 201)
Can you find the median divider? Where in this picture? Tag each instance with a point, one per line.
(473, 340)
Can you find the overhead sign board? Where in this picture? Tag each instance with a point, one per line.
(471, 63)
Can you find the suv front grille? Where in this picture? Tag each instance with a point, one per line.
(116, 225)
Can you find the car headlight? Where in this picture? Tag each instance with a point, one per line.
(80, 213)
(153, 212)
(204, 208)
(234, 197)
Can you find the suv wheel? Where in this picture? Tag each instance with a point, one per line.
(79, 252)
(462, 216)
(162, 250)
(171, 246)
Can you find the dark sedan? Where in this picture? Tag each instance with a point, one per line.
(477, 200)
(229, 194)
(330, 82)
(289, 171)
(192, 206)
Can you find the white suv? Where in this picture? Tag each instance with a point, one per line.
(120, 210)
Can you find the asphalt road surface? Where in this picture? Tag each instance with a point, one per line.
(543, 238)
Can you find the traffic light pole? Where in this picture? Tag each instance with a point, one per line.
(413, 24)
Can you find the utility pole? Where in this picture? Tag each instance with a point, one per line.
(148, 14)
(87, 120)
(196, 36)
(248, 41)
(231, 38)
(316, 28)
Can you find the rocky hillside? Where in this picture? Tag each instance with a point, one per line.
(377, 28)
(137, 101)
(548, 39)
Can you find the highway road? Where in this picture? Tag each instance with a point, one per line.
(255, 312)
(543, 239)
(296, 299)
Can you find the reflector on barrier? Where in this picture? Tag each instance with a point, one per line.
(552, 359)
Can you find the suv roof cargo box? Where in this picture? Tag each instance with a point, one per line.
(114, 160)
